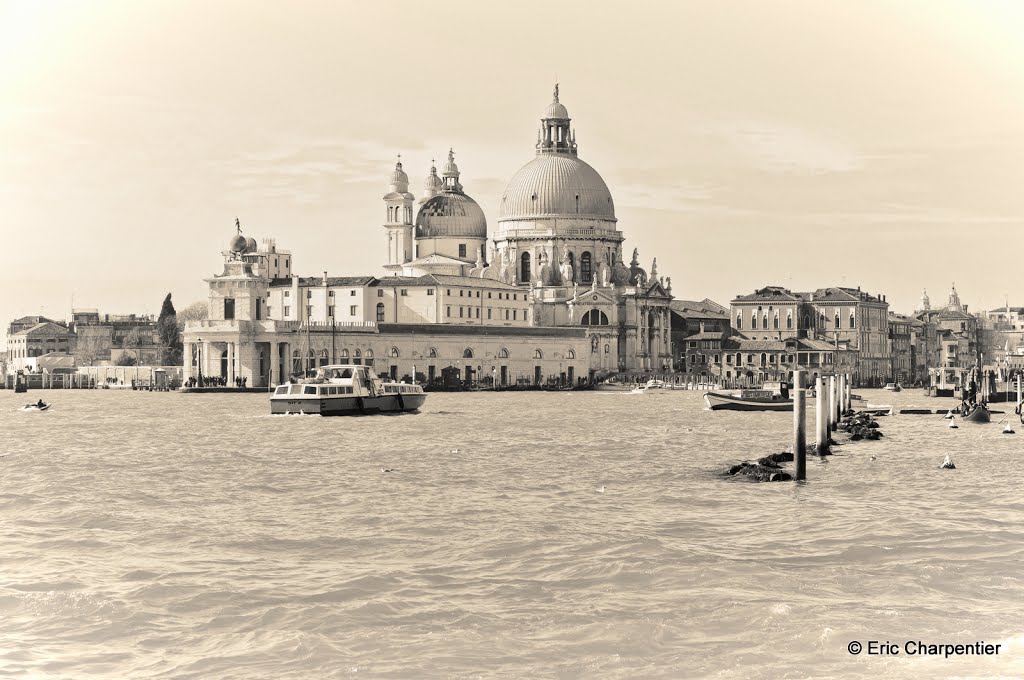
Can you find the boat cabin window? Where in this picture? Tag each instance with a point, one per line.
(282, 389)
(309, 389)
(295, 389)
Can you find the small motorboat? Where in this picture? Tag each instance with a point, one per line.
(892, 387)
(612, 385)
(639, 390)
(35, 408)
(655, 384)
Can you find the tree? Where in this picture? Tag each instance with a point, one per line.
(170, 335)
(197, 311)
(126, 360)
(132, 341)
(88, 350)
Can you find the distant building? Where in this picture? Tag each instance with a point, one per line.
(854, 324)
(39, 339)
(901, 348)
(102, 339)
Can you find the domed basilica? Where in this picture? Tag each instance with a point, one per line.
(556, 236)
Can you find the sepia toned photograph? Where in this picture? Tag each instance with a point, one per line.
(473, 340)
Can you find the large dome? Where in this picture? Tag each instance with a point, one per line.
(451, 214)
(556, 185)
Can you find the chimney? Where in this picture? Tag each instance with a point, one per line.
(325, 277)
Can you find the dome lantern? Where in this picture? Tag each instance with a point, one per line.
(556, 135)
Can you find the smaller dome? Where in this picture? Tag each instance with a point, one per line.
(399, 176)
(620, 272)
(433, 182)
(237, 244)
(250, 245)
(451, 214)
(556, 110)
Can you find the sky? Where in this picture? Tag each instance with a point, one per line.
(877, 143)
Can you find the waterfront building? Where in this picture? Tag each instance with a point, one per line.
(901, 348)
(548, 288)
(853, 323)
(950, 335)
(698, 331)
(103, 339)
(29, 343)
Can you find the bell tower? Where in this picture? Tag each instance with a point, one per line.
(399, 202)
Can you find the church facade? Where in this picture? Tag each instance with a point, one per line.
(544, 296)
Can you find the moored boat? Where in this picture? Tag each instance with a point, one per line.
(655, 384)
(346, 390)
(892, 387)
(748, 400)
(613, 386)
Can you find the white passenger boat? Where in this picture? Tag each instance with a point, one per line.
(748, 400)
(612, 385)
(346, 390)
(655, 384)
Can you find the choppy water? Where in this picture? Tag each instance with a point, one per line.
(194, 536)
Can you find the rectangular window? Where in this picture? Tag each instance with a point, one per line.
(488, 312)
(449, 311)
(514, 314)
(488, 295)
(330, 293)
(352, 310)
(515, 296)
(405, 291)
(462, 250)
(461, 293)
(430, 291)
(287, 311)
(229, 308)
(506, 315)
(352, 293)
(449, 291)
(478, 293)
(309, 294)
(380, 293)
(287, 293)
(478, 312)
(330, 311)
(461, 313)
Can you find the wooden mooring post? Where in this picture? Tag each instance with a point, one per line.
(831, 404)
(821, 421)
(799, 423)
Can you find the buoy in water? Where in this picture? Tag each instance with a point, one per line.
(949, 414)
(947, 464)
(952, 423)
(1008, 429)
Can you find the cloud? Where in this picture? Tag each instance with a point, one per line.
(787, 149)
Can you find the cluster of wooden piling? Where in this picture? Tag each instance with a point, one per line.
(831, 403)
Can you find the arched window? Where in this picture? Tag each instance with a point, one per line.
(343, 355)
(607, 349)
(431, 353)
(775, 322)
(368, 357)
(380, 312)
(524, 268)
(753, 321)
(537, 354)
(357, 357)
(586, 268)
(595, 317)
(764, 358)
(764, 321)
(503, 354)
(323, 357)
(837, 320)
(852, 324)
(739, 322)
(807, 320)
(394, 353)
(468, 353)
(572, 354)
(821, 320)
(789, 321)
